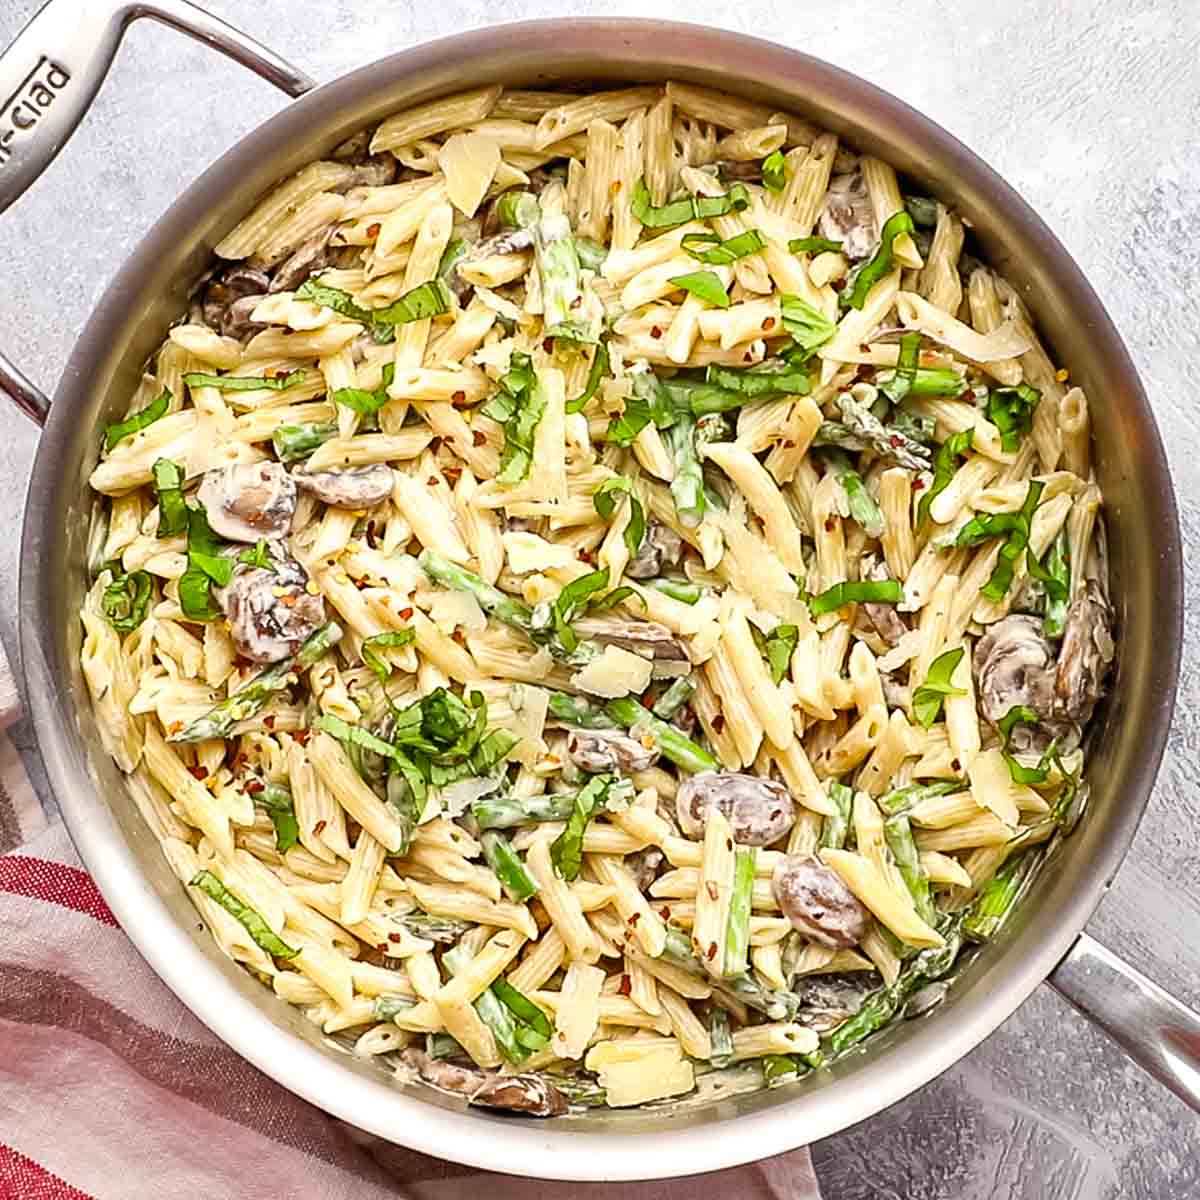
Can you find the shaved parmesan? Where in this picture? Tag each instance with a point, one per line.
(614, 673)
(528, 552)
(457, 610)
(469, 162)
(634, 1071)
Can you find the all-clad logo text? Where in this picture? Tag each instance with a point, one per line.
(29, 103)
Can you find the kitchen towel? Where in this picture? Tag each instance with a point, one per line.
(111, 1090)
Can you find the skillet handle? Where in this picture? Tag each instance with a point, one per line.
(1158, 1032)
(49, 76)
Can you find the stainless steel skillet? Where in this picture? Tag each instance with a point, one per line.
(46, 81)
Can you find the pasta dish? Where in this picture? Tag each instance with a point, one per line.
(600, 594)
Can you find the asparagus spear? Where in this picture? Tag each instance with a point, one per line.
(737, 936)
(506, 812)
(681, 750)
(292, 442)
(387, 1008)
(687, 488)
(677, 589)
(442, 1045)
(252, 697)
(579, 1090)
(898, 834)
(517, 210)
(859, 501)
(492, 600)
(720, 1038)
(434, 929)
(900, 800)
(509, 868)
(836, 826)
(779, 1006)
(674, 698)
(579, 713)
(491, 1011)
(558, 269)
(994, 901)
(860, 429)
(251, 919)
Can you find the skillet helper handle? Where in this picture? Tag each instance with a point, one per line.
(49, 76)
(1158, 1032)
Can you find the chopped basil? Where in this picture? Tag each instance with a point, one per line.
(390, 641)
(195, 596)
(1053, 572)
(429, 299)
(257, 556)
(1022, 714)
(925, 381)
(776, 648)
(705, 284)
(1011, 411)
(691, 208)
(927, 699)
(453, 254)
(774, 172)
(859, 501)
(605, 501)
(872, 271)
(597, 371)
(613, 598)
(1014, 527)
(366, 403)
(566, 852)
(569, 603)
(533, 1028)
(518, 406)
(168, 487)
(900, 382)
(244, 383)
(814, 245)
(775, 378)
(341, 302)
(136, 422)
(682, 590)
(276, 801)
(206, 566)
(808, 327)
(126, 600)
(722, 253)
(944, 466)
(869, 591)
(251, 920)
(650, 401)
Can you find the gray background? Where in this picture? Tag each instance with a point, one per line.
(1091, 109)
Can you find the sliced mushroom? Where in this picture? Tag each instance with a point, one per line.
(1014, 665)
(660, 545)
(644, 864)
(828, 1000)
(886, 620)
(847, 216)
(817, 902)
(759, 810)
(1085, 656)
(229, 298)
(372, 170)
(749, 172)
(642, 637)
(248, 501)
(358, 487)
(597, 750)
(527, 1093)
(311, 256)
(269, 609)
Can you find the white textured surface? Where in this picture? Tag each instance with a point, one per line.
(1091, 108)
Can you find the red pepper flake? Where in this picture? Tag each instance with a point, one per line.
(655, 332)
(395, 937)
(711, 953)
(711, 888)
(254, 787)
(768, 323)
(864, 347)
(626, 986)
(459, 397)
(478, 438)
(318, 827)
(577, 301)
(718, 723)
(896, 441)
(955, 765)
(615, 186)
(405, 613)
(433, 481)
(634, 918)
(729, 844)
(374, 230)
(665, 913)
(198, 772)
(837, 284)
(452, 473)
(748, 357)
(789, 444)
(548, 345)
(301, 736)
(269, 720)
(918, 485)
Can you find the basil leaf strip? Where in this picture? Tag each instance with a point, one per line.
(944, 466)
(691, 208)
(900, 382)
(880, 264)
(533, 1027)
(1014, 525)
(168, 487)
(809, 328)
(126, 600)
(244, 383)
(1053, 572)
(882, 591)
(257, 557)
(722, 253)
(276, 801)
(250, 918)
(363, 402)
(604, 499)
(518, 406)
(571, 601)
(814, 245)
(566, 852)
(136, 422)
(927, 699)
(705, 284)
(776, 648)
(597, 371)
(429, 299)
(1011, 411)
(764, 379)
(390, 641)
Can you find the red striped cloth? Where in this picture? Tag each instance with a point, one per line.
(111, 1090)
